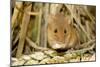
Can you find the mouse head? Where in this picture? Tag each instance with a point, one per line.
(58, 29)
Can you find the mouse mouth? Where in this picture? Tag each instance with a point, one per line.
(59, 47)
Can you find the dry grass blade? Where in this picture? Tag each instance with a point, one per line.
(31, 43)
(23, 32)
(16, 12)
(84, 49)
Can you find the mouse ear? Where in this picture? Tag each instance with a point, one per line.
(50, 18)
(51, 15)
(69, 20)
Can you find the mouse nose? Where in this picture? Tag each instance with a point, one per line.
(61, 39)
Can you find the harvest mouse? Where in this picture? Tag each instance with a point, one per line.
(61, 34)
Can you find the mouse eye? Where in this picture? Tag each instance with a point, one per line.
(55, 30)
(65, 31)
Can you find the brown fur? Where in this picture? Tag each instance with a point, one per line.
(60, 31)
